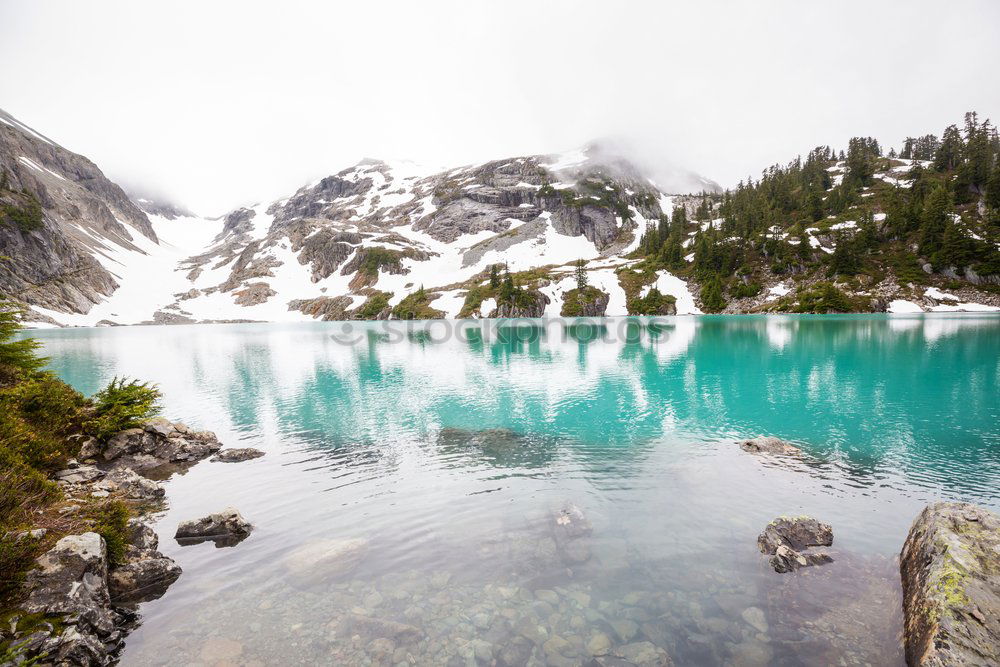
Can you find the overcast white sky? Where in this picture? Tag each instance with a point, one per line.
(216, 104)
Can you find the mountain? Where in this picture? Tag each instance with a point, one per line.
(581, 233)
(61, 221)
(376, 240)
(859, 231)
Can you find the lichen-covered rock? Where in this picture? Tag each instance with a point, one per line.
(226, 528)
(785, 538)
(71, 579)
(950, 569)
(235, 455)
(768, 445)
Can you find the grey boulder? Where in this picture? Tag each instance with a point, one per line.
(237, 454)
(225, 528)
(950, 570)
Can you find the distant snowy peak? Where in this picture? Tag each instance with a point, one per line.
(394, 239)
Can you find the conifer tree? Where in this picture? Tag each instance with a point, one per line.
(954, 248)
(711, 296)
(933, 220)
(581, 275)
(494, 276)
(993, 188)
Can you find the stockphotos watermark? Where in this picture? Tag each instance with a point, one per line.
(521, 330)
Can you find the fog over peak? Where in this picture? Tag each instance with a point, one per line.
(212, 105)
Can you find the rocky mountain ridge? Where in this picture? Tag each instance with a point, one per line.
(524, 236)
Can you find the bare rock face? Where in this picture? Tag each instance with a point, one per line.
(226, 528)
(237, 454)
(786, 538)
(52, 265)
(769, 445)
(950, 569)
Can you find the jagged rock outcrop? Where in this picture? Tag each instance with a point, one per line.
(950, 568)
(58, 209)
(786, 540)
(158, 442)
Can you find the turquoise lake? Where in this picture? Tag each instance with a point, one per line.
(444, 452)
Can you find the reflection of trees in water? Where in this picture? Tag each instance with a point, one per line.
(877, 396)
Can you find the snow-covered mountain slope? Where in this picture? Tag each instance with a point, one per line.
(60, 218)
(385, 240)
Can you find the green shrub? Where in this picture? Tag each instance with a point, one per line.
(28, 216)
(741, 290)
(17, 357)
(373, 306)
(576, 300)
(110, 521)
(823, 297)
(36, 417)
(416, 306)
(654, 303)
(122, 404)
(16, 555)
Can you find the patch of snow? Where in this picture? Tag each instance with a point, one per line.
(903, 306)
(777, 292)
(935, 293)
(667, 283)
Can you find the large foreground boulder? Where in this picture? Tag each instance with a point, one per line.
(71, 579)
(950, 569)
(786, 539)
(225, 528)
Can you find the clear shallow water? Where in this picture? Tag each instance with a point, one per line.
(373, 434)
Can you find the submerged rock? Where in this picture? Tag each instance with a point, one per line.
(769, 445)
(786, 537)
(225, 528)
(571, 529)
(322, 560)
(950, 569)
(236, 455)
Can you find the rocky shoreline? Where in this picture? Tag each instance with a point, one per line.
(83, 605)
(80, 602)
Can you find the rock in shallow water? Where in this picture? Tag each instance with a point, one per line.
(950, 569)
(768, 445)
(226, 528)
(786, 537)
(237, 454)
